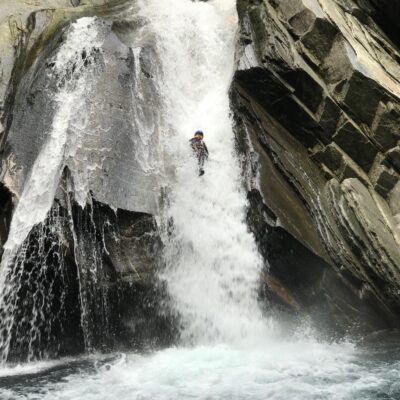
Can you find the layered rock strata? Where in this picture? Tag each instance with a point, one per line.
(316, 100)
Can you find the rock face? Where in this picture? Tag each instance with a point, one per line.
(316, 101)
(116, 108)
(93, 258)
(93, 269)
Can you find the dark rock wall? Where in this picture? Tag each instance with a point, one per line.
(91, 272)
(386, 15)
(316, 105)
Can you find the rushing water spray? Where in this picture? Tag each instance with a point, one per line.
(213, 267)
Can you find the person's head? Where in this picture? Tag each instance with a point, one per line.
(199, 135)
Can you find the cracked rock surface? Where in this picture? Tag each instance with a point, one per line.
(316, 100)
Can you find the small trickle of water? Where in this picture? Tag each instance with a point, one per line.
(93, 295)
(38, 297)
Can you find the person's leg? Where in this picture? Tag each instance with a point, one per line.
(201, 164)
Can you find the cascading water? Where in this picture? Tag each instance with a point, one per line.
(42, 182)
(213, 267)
(227, 348)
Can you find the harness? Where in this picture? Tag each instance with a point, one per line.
(199, 147)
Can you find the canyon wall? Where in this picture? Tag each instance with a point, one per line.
(316, 101)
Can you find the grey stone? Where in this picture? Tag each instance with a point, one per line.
(330, 156)
(320, 38)
(329, 118)
(393, 158)
(333, 157)
(302, 22)
(384, 179)
(362, 97)
(336, 68)
(386, 126)
(117, 178)
(356, 144)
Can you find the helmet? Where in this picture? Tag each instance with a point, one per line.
(199, 133)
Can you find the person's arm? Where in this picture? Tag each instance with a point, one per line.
(205, 148)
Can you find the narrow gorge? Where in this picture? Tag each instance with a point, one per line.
(125, 274)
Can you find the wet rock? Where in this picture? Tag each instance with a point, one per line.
(103, 241)
(355, 144)
(301, 283)
(385, 127)
(393, 158)
(123, 250)
(26, 28)
(5, 214)
(361, 97)
(316, 96)
(109, 123)
(95, 269)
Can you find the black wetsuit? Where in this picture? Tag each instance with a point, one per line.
(201, 152)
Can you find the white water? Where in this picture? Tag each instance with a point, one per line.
(213, 266)
(228, 350)
(42, 182)
(309, 371)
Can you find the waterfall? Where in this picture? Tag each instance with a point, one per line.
(69, 68)
(228, 348)
(212, 263)
(212, 266)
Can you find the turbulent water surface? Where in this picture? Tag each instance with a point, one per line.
(300, 370)
(229, 348)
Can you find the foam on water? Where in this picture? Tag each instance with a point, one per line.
(301, 370)
(28, 368)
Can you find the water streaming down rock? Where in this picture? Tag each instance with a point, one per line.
(212, 264)
(37, 302)
(105, 169)
(209, 250)
(69, 67)
(213, 267)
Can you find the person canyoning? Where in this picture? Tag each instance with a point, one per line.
(200, 150)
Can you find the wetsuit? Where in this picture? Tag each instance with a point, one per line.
(201, 152)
